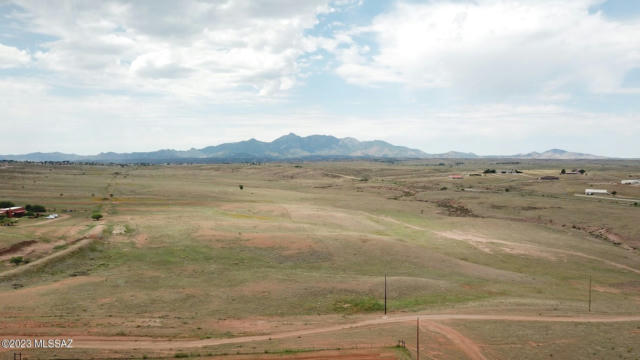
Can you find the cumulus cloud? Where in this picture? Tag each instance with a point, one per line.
(141, 75)
(11, 57)
(186, 48)
(500, 46)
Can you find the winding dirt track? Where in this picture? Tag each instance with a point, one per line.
(514, 244)
(81, 243)
(94, 342)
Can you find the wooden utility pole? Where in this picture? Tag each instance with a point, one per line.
(385, 293)
(418, 338)
(589, 293)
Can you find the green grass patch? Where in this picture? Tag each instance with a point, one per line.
(358, 305)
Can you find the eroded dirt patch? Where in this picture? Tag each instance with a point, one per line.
(16, 247)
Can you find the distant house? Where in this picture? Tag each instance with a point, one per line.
(548, 178)
(630, 182)
(15, 211)
(596, 191)
(456, 177)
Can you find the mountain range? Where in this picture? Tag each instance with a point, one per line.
(288, 147)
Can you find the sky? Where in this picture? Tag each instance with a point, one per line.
(483, 76)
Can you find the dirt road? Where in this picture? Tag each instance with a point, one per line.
(88, 239)
(468, 346)
(479, 239)
(94, 342)
(44, 222)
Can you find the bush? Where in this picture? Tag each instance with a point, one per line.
(96, 216)
(241, 186)
(35, 208)
(8, 222)
(563, 171)
(489, 171)
(17, 260)
(6, 204)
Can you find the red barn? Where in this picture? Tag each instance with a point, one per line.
(13, 211)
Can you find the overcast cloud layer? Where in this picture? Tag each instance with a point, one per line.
(488, 76)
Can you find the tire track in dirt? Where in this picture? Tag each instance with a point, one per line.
(123, 342)
(510, 243)
(79, 244)
(473, 239)
(470, 348)
(40, 223)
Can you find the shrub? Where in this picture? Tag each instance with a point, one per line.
(35, 208)
(563, 171)
(8, 221)
(489, 171)
(17, 260)
(241, 186)
(96, 216)
(6, 204)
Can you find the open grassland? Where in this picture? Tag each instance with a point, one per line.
(184, 254)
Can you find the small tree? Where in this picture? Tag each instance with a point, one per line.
(563, 171)
(6, 204)
(16, 260)
(582, 171)
(241, 186)
(96, 216)
(614, 193)
(36, 208)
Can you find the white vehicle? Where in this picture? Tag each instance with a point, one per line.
(52, 216)
(596, 191)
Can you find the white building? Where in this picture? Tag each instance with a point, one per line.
(596, 191)
(630, 182)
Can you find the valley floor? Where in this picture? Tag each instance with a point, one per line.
(186, 262)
